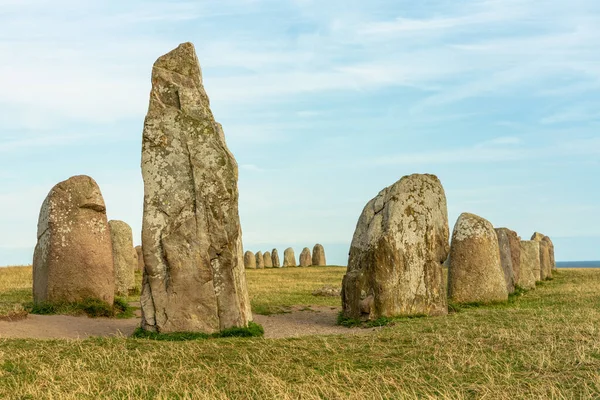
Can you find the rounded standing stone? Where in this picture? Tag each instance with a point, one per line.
(268, 261)
(530, 263)
(546, 255)
(396, 255)
(305, 257)
(475, 273)
(289, 258)
(73, 258)
(249, 260)
(318, 256)
(260, 260)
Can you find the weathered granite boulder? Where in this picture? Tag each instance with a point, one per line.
(275, 259)
(289, 258)
(506, 259)
(305, 258)
(475, 273)
(124, 257)
(530, 263)
(546, 255)
(396, 256)
(191, 236)
(73, 258)
(140, 258)
(249, 260)
(260, 260)
(514, 241)
(268, 261)
(318, 255)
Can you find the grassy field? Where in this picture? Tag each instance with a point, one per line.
(544, 344)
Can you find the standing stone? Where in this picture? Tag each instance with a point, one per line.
(530, 263)
(268, 261)
(260, 260)
(289, 258)
(514, 241)
(140, 258)
(123, 257)
(475, 273)
(545, 257)
(551, 250)
(275, 259)
(249, 260)
(73, 258)
(318, 256)
(305, 257)
(506, 260)
(396, 256)
(191, 236)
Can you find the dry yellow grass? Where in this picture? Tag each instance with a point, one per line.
(545, 344)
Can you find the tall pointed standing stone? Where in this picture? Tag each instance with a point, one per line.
(73, 258)
(275, 259)
(191, 236)
(124, 257)
(396, 255)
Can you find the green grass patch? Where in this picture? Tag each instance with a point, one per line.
(381, 321)
(93, 308)
(253, 330)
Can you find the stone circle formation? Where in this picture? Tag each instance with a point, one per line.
(192, 261)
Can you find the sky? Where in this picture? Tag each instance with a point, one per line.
(323, 104)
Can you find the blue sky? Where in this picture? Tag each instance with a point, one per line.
(323, 104)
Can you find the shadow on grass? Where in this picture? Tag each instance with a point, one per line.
(253, 330)
(93, 308)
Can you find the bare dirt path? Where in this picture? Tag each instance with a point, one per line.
(316, 320)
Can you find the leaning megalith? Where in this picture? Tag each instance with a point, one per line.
(260, 260)
(396, 256)
(73, 258)
(305, 258)
(318, 255)
(124, 260)
(268, 261)
(546, 255)
(275, 259)
(191, 236)
(530, 263)
(475, 273)
(140, 258)
(289, 258)
(249, 260)
(506, 259)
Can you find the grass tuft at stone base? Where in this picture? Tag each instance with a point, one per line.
(253, 330)
(93, 308)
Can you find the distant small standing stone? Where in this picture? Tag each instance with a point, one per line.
(124, 262)
(249, 260)
(546, 258)
(305, 257)
(275, 259)
(318, 256)
(475, 273)
(289, 258)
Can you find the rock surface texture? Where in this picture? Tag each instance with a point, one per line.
(73, 258)
(396, 256)
(260, 260)
(124, 257)
(506, 259)
(249, 260)
(192, 240)
(275, 259)
(305, 257)
(530, 264)
(475, 273)
(318, 255)
(268, 261)
(289, 258)
(140, 258)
